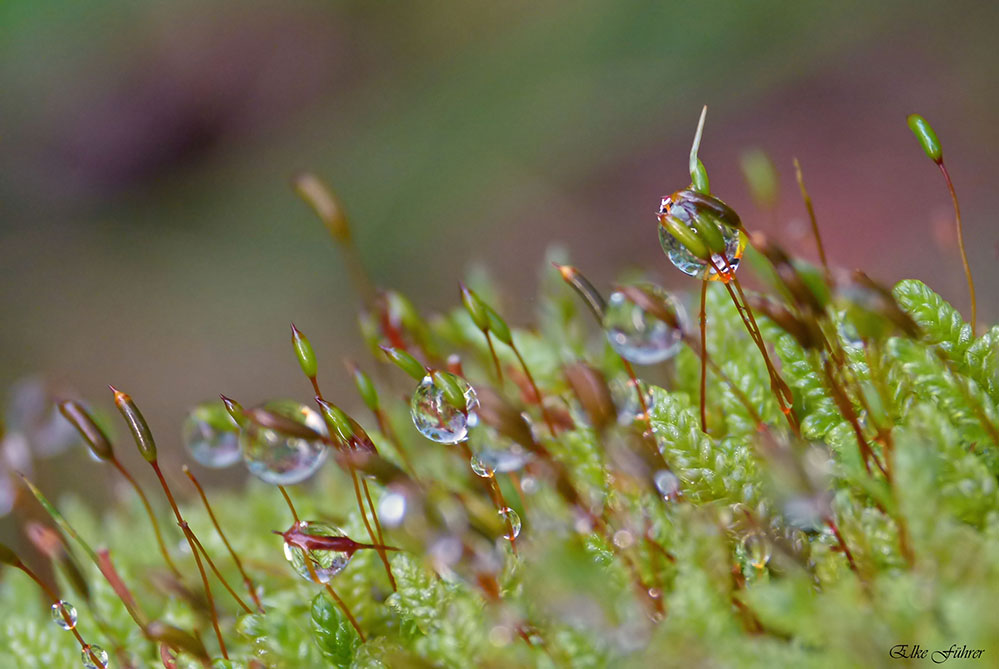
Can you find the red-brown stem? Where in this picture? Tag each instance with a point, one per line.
(315, 386)
(814, 221)
(375, 538)
(343, 607)
(218, 574)
(960, 245)
(291, 507)
(149, 511)
(534, 387)
(703, 319)
(218, 528)
(197, 557)
(496, 362)
(645, 407)
(329, 588)
(495, 493)
(84, 646)
(842, 543)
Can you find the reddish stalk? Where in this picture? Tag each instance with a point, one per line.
(703, 319)
(535, 389)
(218, 528)
(197, 557)
(315, 577)
(960, 245)
(496, 494)
(842, 544)
(84, 646)
(375, 537)
(811, 217)
(152, 517)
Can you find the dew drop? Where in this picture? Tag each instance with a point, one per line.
(277, 458)
(757, 548)
(667, 484)
(325, 563)
(64, 615)
(513, 523)
(94, 657)
(639, 336)
(211, 436)
(683, 209)
(438, 420)
(480, 468)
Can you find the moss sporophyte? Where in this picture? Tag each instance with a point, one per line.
(800, 475)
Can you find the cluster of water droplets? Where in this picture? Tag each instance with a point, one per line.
(279, 458)
(639, 336)
(436, 418)
(324, 563)
(211, 436)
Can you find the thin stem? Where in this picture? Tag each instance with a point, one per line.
(497, 496)
(197, 557)
(385, 426)
(811, 217)
(218, 574)
(291, 507)
(84, 646)
(703, 319)
(343, 607)
(375, 538)
(149, 512)
(218, 528)
(534, 387)
(842, 544)
(960, 245)
(496, 362)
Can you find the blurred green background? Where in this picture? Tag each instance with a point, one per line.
(149, 237)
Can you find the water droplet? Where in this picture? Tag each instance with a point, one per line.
(436, 419)
(280, 459)
(94, 657)
(480, 468)
(757, 548)
(7, 492)
(392, 509)
(639, 336)
(625, 398)
(32, 412)
(325, 563)
(64, 615)
(667, 484)
(513, 523)
(211, 436)
(684, 260)
(623, 539)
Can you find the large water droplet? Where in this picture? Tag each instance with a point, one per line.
(624, 394)
(684, 260)
(94, 657)
(757, 548)
(512, 521)
(667, 484)
(639, 336)
(277, 458)
(32, 412)
(438, 420)
(64, 615)
(325, 563)
(211, 435)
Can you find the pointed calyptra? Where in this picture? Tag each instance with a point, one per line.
(405, 362)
